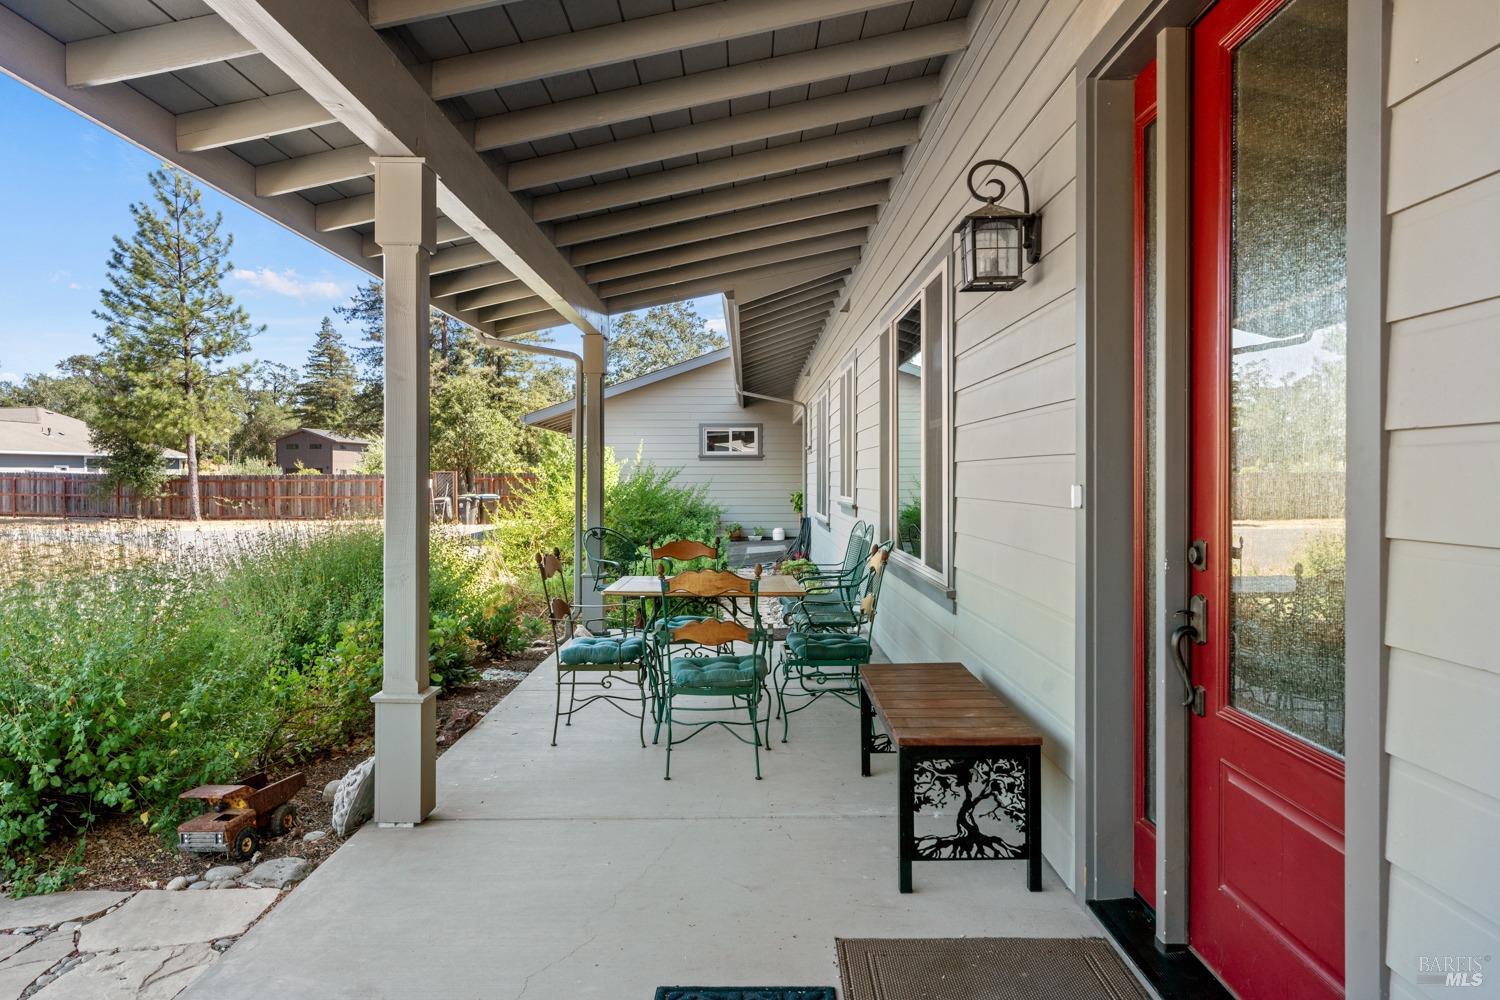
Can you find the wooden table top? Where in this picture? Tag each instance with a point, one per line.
(771, 585)
(942, 704)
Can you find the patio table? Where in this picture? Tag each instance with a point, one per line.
(771, 585)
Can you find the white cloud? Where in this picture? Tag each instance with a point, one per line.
(10, 377)
(288, 283)
(714, 325)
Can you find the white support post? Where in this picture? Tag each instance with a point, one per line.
(593, 454)
(406, 707)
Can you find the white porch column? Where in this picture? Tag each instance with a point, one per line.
(406, 707)
(593, 453)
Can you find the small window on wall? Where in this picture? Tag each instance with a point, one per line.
(315, 445)
(820, 424)
(292, 446)
(919, 417)
(848, 438)
(729, 440)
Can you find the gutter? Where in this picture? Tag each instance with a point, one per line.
(577, 359)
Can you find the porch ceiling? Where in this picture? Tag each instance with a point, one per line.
(657, 148)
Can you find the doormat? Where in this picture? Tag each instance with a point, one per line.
(984, 969)
(745, 993)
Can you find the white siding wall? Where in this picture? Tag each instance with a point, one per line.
(661, 420)
(1010, 95)
(1443, 495)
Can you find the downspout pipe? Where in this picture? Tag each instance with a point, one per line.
(577, 360)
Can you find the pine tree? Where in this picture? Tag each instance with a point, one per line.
(170, 327)
(647, 341)
(325, 396)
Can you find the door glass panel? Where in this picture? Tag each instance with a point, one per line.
(1287, 373)
(908, 335)
(1148, 456)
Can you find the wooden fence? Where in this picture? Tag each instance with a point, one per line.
(305, 497)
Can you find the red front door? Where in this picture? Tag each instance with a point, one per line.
(1267, 495)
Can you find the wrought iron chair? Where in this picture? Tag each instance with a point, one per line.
(700, 659)
(687, 554)
(611, 555)
(835, 584)
(825, 651)
(608, 658)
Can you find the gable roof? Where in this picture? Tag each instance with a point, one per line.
(559, 416)
(36, 430)
(329, 435)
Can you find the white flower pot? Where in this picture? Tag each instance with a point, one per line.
(778, 534)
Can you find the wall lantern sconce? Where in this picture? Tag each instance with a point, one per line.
(996, 243)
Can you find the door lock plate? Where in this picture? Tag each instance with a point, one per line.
(1197, 555)
(1198, 619)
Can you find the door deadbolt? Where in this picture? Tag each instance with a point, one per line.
(1197, 555)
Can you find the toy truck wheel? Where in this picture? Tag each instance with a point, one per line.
(283, 820)
(245, 843)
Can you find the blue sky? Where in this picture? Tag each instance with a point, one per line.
(72, 185)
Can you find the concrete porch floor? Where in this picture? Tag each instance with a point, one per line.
(577, 872)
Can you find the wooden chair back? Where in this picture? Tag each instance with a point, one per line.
(559, 612)
(712, 633)
(706, 583)
(684, 550)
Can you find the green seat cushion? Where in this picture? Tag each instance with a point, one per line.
(717, 671)
(603, 650)
(677, 621)
(833, 647)
(817, 598)
(832, 617)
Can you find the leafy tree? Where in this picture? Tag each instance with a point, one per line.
(263, 413)
(325, 397)
(170, 327)
(646, 341)
(468, 432)
(74, 391)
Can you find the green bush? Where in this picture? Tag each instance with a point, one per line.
(122, 686)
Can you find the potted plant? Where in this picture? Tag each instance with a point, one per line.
(756, 534)
(796, 499)
(735, 532)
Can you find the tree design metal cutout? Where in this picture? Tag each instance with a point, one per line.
(987, 799)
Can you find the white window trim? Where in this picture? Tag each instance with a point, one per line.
(821, 467)
(731, 456)
(848, 379)
(942, 579)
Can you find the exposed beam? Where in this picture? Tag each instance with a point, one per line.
(761, 312)
(470, 279)
(495, 295)
(614, 43)
(161, 48)
(792, 358)
(459, 257)
(754, 239)
(736, 222)
(755, 345)
(389, 13)
(837, 261)
(793, 315)
(723, 132)
(254, 119)
(514, 310)
(698, 89)
(633, 221)
(345, 212)
(314, 170)
(525, 324)
(734, 262)
(784, 373)
(792, 292)
(447, 232)
(726, 170)
(330, 51)
(779, 331)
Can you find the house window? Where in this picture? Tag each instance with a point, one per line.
(315, 444)
(820, 426)
(292, 446)
(919, 417)
(848, 438)
(729, 441)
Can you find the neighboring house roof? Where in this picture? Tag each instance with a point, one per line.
(35, 430)
(559, 416)
(330, 435)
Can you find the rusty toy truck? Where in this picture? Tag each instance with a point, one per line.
(240, 816)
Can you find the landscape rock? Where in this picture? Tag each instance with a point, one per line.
(22, 968)
(56, 908)
(313, 836)
(222, 872)
(330, 790)
(355, 800)
(158, 919)
(142, 975)
(12, 943)
(502, 674)
(461, 721)
(278, 873)
(200, 884)
(223, 883)
(222, 944)
(178, 883)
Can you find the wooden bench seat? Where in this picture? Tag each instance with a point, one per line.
(961, 752)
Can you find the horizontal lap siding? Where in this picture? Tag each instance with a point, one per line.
(661, 422)
(1443, 489)
(1010, 95)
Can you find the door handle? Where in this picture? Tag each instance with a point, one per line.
(1196, 629)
